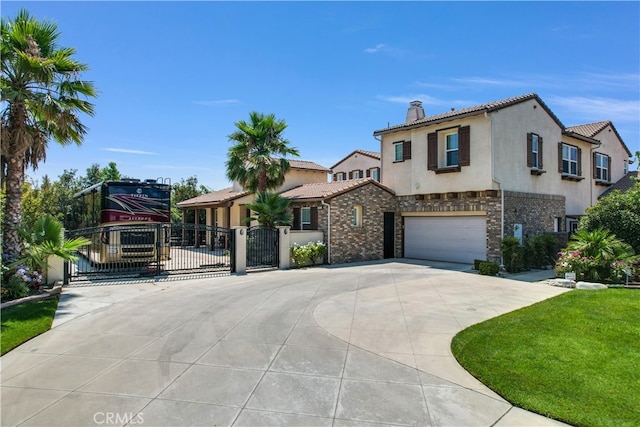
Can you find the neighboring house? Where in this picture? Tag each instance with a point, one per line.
(358, 164)
(464, 179)
(357, 218)
(227, 207)
(624, 184)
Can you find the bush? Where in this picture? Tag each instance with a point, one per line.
(539, 251)
(488, 268)
(14, 287)
(308, 254)
(512, 254)
(476, 263)
(597, 256)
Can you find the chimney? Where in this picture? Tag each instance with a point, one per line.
(415, 112)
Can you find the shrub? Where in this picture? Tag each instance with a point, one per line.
(488, 268)
(539, 251)
(512, 254)
(597, 256)
(308, 254)
(14, 287)
(476, 263)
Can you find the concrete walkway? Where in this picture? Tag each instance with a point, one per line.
(363, 344)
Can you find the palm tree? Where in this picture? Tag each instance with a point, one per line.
(257, 160)
(42, 95)
(270, 210)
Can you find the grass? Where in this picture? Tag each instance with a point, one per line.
(24, 321)
(575, 357)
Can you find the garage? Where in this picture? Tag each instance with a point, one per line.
(452, 238)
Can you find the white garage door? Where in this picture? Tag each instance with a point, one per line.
(455, 238)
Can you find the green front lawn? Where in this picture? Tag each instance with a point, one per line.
(575, 357)
(24, 321)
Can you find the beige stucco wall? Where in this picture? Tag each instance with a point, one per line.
(357, 161)
(611, 146)
(412, 177)
(296, 177)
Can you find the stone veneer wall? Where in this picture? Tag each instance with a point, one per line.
(463, 202)
(360, 243)
(535, 212)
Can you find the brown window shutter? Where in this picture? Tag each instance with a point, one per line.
(464, 141)
(406, 150)
(335, 177)
(540, 152)
(314, 218)
(529, 150)
(296, 219)
(594, 168)
(560, 157)
(368, 173)
(351, 175)
(608, 168)
(432, 151)
(579, 161)
(361, 173)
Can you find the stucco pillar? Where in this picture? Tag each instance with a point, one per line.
(209, 236)
(284, 247)
(240, 248)
(55, 270)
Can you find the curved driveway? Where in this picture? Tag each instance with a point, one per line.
(327, 346)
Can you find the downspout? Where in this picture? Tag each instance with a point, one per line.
(328, 230)
(591, 169)
(493, 179)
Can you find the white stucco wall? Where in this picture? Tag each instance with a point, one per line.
(412, 177)
(356, 161)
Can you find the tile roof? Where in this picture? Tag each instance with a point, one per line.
(592, 129)
(471, 111)
(213, 198)
(307, 165)
(625, 183)
(372, 154)
(327, 190)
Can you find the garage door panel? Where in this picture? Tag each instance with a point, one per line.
(456, 239)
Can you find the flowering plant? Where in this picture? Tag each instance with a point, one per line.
(308, 254)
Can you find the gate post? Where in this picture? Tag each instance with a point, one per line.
(240, 248)
(284, 247)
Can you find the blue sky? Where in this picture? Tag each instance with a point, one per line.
(173, 77)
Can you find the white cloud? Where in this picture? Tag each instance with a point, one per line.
(128, 151)
(378, 48)
(596, 108)
(489, 81)
(214, 102)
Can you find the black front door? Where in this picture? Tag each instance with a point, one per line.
(389, 234)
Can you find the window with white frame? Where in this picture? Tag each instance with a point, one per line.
(340, 176)
(569, 159)
(356, 220)
(451, 149)
(602, 167)
(626, 168)
(356, 174)
(305, 218)
(399, 151)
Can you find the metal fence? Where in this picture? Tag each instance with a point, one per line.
(262, 247)
(150, 250)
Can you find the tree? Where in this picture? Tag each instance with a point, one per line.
(42, 96)
(258, 158)
(619, 213)
(270, 210)
(185, 190)
(111, 172)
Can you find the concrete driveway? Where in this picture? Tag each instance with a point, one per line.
(364, 344)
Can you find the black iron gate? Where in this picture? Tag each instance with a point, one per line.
(149, 251)
(262, 247)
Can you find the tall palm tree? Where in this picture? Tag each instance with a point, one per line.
(257, 160)
(42, 95)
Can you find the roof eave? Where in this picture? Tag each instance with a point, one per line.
(580, 137)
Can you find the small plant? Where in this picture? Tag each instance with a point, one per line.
(488, 268)
(308, 254)
(14, 287)
(476, 263)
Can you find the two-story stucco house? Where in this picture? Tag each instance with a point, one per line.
(356, 165)
(466, 178)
